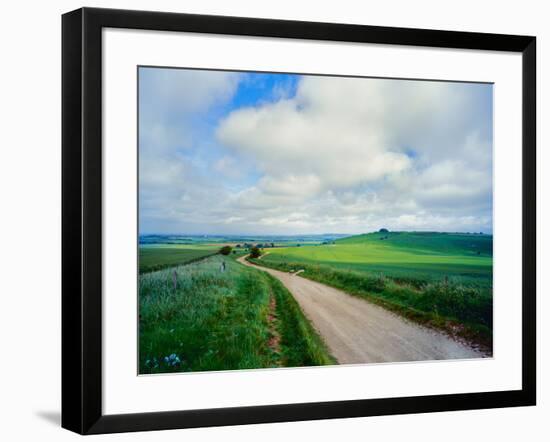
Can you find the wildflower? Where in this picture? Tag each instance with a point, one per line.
(172, 360)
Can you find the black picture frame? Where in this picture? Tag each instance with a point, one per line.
(82, 220)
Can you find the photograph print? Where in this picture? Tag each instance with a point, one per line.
(298, 220)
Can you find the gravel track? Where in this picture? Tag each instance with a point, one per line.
(357, 331)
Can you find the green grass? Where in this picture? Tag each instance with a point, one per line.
(214, 320)
(152, 258)
(412, 256)
(430, 242)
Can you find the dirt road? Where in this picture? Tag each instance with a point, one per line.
(357, 331)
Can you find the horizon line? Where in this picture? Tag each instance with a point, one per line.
(471, 232)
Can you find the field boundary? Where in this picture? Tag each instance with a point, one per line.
(169, 266)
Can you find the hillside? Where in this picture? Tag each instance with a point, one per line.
(427, 256)
(433, 242)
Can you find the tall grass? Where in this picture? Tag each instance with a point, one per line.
(198, 318)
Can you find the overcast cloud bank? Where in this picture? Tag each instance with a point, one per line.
(278, 154)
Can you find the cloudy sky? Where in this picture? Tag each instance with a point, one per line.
(254, 153)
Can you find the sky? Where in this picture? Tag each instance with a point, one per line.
(257, 153)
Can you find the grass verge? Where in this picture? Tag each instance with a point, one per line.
(197, 317)
(300, 344)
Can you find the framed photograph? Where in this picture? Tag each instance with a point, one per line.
(269, 221)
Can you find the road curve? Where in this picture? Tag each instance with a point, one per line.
(358, 332)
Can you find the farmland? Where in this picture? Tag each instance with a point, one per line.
(199, 315)
(157, 252)
(207, 316)
(424, 257)
(153, 258)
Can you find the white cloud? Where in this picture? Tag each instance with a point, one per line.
(172, 100)
(183, 90)
(327, 134)
(172, 108)
(356, 152)
(340, 155)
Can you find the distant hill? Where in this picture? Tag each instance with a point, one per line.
(428, 241)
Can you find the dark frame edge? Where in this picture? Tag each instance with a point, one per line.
(71, 220)
(81, 222)
(529, 194)
(306, 412)
(323, 31)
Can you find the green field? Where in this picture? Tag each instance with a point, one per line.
(440, 279)
(196, 317)
(153, 258)
(425, 257)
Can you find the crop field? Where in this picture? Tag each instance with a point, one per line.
(158, 257)
(216, 314)
(426, 257)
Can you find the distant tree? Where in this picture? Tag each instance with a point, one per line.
(225, 250)
(255, 252)
(383, 230)
(272, 244)
(238, 246)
